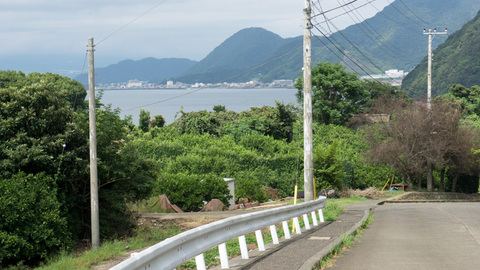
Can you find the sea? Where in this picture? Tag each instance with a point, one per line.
(169, 102)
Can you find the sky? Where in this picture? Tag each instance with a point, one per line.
(51, 35)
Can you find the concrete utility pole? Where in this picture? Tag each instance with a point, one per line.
(95, 221)
(429, 78)
(307, 105)
(431, 35)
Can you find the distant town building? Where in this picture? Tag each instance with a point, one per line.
(282, 83)
(134, 84)
(389, 74)
(393, 77)
(198, 85)
(170, 84)
(395, 73)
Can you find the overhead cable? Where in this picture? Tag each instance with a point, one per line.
(132, 21)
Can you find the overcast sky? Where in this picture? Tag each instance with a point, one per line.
(54, 33)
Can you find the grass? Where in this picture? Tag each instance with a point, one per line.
(110, 249)
(149, 236)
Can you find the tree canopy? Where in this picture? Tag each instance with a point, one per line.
(336, 93)
(44, 141)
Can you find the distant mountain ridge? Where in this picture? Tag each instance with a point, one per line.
(457, 61)
(148, 69)
(392, 39)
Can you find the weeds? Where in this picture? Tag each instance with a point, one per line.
(148, 236)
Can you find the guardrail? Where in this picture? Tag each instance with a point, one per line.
(176, 250)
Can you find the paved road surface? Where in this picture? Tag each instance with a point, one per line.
(418, 236)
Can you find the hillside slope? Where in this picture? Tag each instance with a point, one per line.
(148, 69)
(240, 52)
(457, 61)
(392, 39)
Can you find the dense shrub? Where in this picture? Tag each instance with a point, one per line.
(465, 184)
(189, 191)
(31, 227)
(327, 168)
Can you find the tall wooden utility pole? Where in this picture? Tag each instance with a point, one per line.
(429, 76)
(307, 103)
(95, 221)
(431, 35)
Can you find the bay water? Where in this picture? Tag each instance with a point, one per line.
(168, 102)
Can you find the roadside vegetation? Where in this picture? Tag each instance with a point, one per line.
(115, 250)
(44, 154)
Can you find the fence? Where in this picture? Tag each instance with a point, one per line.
(176, 250)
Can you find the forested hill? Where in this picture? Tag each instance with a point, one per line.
(242, 51)
(148, 69)
(457, 61)
(392, 39)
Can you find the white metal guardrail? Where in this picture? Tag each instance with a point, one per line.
(176, 250)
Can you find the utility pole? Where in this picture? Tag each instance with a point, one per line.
(307, 103)
(431, 35)
(95, 221)
(429, 78)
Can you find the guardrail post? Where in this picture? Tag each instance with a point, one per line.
(273, 231)
(222, 248)
(320, 213)
(243, 247)
(305, 220)
(200, 262)
(260, 243)
(286, 231)
(314, 218)
(177, 249)
(298, 230)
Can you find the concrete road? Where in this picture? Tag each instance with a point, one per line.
(418, 236)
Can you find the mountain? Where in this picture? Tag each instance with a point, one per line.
(392, 39)
(240, 52)
(148, 69)
(457, 61)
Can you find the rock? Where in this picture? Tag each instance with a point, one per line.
(248, 205)
(214, 206)
(329, 193)
(166, 206)
(243, 201)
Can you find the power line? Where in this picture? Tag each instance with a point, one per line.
(396, 49)
(324, 16)
(401, 1)
(372, 35)
(330, 10)
(393, 20)
(395, 7)
(340, 15)
(134, 20)
(340, 50)
(355, 46)
(348, 57)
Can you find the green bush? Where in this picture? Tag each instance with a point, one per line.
(189, 191)
(327, 168)
(31, 228)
